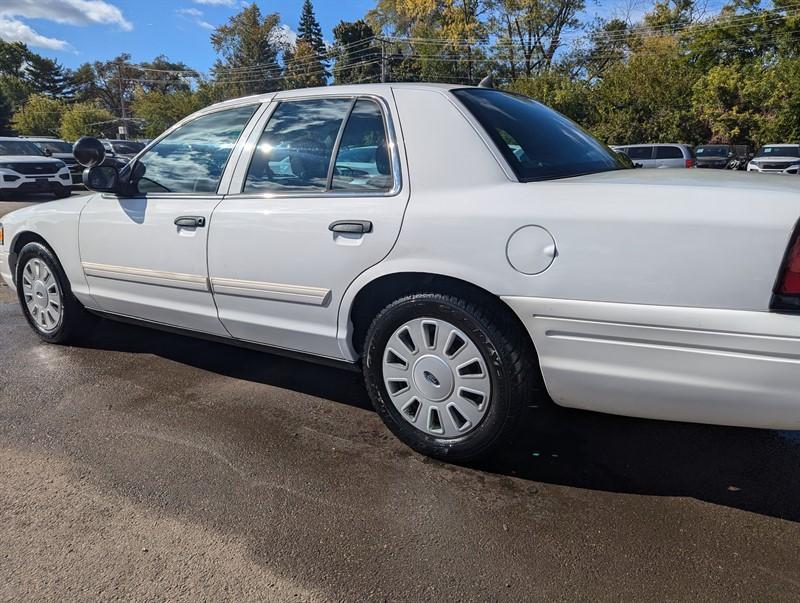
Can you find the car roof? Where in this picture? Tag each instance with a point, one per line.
(782, 144)
(655, 144)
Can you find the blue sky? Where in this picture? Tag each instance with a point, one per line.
(77, 31)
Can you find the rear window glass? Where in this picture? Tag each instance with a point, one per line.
(712, 151)
(537, 142)
(669, 153)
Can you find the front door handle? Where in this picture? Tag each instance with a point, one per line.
(351, 226)
(190, 221)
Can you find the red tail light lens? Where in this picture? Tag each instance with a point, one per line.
(690, 163)
(787, 289)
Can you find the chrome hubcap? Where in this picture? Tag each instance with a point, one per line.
(436, 377)
(42, 295)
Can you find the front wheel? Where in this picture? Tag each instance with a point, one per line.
(449, 377)
(46, 298)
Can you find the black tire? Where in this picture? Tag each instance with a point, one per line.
(63, 192)
(75, 322)
(507, 353)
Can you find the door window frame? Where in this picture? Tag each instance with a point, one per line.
(230, 163)
(236, 189)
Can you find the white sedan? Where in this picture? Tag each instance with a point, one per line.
(487, 253)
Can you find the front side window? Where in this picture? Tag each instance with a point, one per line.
(537, 142)
(362, 161)
(294, 151)
(192, 158)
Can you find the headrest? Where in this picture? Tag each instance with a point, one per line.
(382, 158)
(309, 163)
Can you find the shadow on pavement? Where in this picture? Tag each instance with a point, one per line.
(747, 469)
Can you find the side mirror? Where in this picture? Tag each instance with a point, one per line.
(89, 152)
(47, 152)
(101, 178)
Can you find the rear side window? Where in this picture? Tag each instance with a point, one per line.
(537, 142)
(192, 158)
(362, 162)
(294, 151)
(665, 152)
(640, 152)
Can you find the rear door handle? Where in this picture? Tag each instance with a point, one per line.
(190, 221)
(351, 226)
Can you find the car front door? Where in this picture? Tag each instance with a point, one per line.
(320, 200)
(144, 256)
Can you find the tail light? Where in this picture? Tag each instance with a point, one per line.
(786, 295)
(690, 163)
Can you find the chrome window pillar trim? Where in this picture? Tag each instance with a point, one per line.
(336, 143)
(243, 165)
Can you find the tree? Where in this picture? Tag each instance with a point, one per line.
(567, 95)
(357, 57)
(46, 76)
(5, 115)
(648, 98)
(310, 32)
(302, 69)
(12, 58)
(87, 119)
(728, 100)
(530, 32)
(160, 110)
(165, 76)
(39, 116)
(15, 89)
(248, 47)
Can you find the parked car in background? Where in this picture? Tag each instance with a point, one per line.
(661, 155)
(60, 149)
(776, 159)
(468, 249)
(124, 150)
(24, 168)
(722, 156)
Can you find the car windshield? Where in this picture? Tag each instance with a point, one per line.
(127, 147)
(54, 146)
(538, 143)
(19, 147)
(773, 151)
(712, 151)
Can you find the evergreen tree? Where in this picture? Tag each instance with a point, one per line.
(310, 32)
(355, 52)
(46, 76)
(5, 114)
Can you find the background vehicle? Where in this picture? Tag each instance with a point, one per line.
(482, 251)
(722, 156)
(25, 169)
(776, 159)
(60, 149)
(662, 155)
(122, 149)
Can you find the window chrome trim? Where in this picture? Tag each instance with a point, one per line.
(236, 189)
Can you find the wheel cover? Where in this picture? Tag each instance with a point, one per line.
(436, 377)
(42, 295)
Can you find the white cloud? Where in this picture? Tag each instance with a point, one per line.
(12, 30)
(216, 2)
(196, 16)
(71, 12)
(288, 35)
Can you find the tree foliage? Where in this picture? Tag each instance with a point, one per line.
(86, 119)
(355, 53)
(39, 116)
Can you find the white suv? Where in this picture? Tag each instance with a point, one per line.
(25, 169)
(776, 159)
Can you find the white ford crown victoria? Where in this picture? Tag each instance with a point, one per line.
(469, 249)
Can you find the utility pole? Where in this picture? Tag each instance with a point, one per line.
(124, 130)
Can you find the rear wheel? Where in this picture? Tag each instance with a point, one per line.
(63, 192)
(46, 298)
(449, 377)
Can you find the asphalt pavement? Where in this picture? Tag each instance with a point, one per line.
(148, 466)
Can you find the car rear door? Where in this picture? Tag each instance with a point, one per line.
(642, 155)
(144, 256)
(317, 198)
(670, 156)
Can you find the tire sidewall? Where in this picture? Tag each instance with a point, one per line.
(37, 250)
(500, 411)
